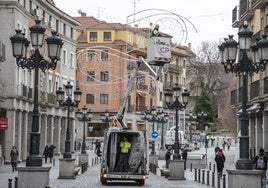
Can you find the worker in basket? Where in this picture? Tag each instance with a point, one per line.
(155, 31)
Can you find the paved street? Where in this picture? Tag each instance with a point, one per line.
(91, 177)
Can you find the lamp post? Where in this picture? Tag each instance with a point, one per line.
(35, 61)
(151, 117)
(191, 115)
(84, 116)
(68, 103)
(245, 66)
(201, 117)
(162, 118)
(178, 106)
(105, 117)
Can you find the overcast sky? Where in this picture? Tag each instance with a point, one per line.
(189, 21)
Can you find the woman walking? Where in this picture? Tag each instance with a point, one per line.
(14, 158)
(220, 159)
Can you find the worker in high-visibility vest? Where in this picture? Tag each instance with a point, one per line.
(125, 147)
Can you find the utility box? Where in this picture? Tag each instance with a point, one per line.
(158, 51)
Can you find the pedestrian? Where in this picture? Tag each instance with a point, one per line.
(260, 162)
(223, 143)
(79, 146)
(98, 148)
(167, 157)
(216, 150)
(184, 156)
(14, 154)
(220, 159)
(51, 152)
(125, 147)
(155, 31)
(228, 143)
(46, 153)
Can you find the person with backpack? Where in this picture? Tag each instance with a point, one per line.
(220, 159)
(260, 162)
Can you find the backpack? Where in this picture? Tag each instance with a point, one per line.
(260, 163)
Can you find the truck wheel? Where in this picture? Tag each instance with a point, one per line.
(103, 182)
(140, 182)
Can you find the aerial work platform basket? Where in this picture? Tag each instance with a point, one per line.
(158, 51)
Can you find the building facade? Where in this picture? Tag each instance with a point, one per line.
(18, 104)
(255, 13)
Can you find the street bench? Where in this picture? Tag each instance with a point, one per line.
(164, 172)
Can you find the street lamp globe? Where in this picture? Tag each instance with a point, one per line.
(37, 34)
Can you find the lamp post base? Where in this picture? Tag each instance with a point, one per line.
(244, 178)
(35, 160)
(244, 164)
(176, 170)
(66, 169)
(32, 177)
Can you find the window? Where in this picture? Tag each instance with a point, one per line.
(93, 36)
(64, 57)
(90, 76)
(104, 76)
(104, 55)
(72, 60)
(184, 63)
(103, 98)
(57, 26)
(90, 98)
(72, 33)
(64, 29)
(90, 55)
(107, 36)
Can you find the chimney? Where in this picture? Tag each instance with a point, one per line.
(189, 45)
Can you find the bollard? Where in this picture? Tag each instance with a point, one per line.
(209, 165)
(53, 162)
(213, 179)
(208, 178)
(95, 160)
(92, 161)
(199, 171)
(214, 167)
(224, 181)
(191, 167)
(16, 182)
(203, 176)
(219, 181)
(195, 174)
(9, 183)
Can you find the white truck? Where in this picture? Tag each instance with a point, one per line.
(138, 156)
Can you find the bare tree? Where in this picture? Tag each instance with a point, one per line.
(207, 73)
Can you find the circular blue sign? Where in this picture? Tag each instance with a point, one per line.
(154, 134)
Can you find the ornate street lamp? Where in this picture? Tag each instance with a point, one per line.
(244, 66)
(191, 115)
(68, 103)
(201, 116)
(35, 61)
(177, 105)
(162, 118)
(151, 115)
(106, 117)
(84, 116)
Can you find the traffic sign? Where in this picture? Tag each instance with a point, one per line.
(154, 134)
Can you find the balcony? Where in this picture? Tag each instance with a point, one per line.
(246, 13)
(255, 89)
(265, 86)
(257, 4)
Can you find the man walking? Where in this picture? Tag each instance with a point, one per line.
(260, 162)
